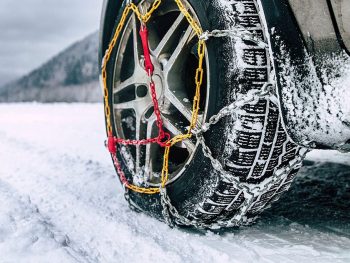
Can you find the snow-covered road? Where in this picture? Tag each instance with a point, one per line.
(61, 202)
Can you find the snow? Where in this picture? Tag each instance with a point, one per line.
(324, 106)
(61, 202)
(329, 156)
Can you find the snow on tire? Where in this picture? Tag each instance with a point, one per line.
(251, 145)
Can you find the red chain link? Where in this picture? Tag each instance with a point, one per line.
(120, 171)
(144, 39)
(163, 137)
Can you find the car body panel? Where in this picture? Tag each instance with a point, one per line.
(341, 9)
(324, 24)
(314, 20)
(310, 60)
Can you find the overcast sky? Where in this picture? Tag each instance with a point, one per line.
(32, 31)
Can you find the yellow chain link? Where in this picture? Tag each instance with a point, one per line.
(196, 99)
(189, 18)
(140, 190)
(195, 110)
(104, 67)
(144, 18)
(198, 80)
(121, 24)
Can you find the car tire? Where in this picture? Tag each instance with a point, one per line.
(251, 144)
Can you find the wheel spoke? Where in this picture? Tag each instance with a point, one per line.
(171, 127)
(125, 105)
(138, 105)
(120, 86)
(136, 45)
(176, 131)
(179, 48)
(167, 39)
(138, 147)
(138, 78)
(148, 159)
(184, 109)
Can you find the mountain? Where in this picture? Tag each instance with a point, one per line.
(71, 76)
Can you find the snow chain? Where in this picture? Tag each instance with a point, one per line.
(170, 213)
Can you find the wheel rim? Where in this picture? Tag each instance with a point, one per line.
(173, 51)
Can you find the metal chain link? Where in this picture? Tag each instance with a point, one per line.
(170, 213)
(238, 32)
(145, 17)
(251, 96)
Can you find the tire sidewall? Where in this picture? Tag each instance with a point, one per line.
(198, 178)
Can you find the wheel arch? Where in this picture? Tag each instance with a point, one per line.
(292, 56)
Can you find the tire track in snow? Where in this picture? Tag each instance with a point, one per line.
(23, 228)
(82, 174)
(72, 182)
(66, 187)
